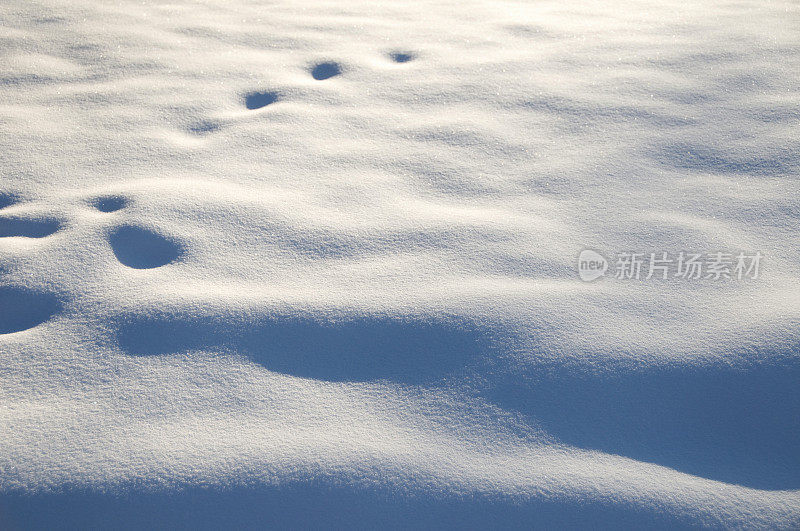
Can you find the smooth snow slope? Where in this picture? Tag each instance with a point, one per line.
(313, 264)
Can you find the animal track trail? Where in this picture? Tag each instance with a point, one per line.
(141, 248)
(22, 309)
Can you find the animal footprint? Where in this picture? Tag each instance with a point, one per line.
(401, 57)
(28, 228)
(21, 309)
(257, 100)
(204, 127)
(327, 70)
(141, 248)
(6, 200)
(110, 203)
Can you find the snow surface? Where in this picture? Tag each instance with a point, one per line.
(313, 264)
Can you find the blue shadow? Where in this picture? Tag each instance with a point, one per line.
(697, 157)
(412, 351)
(739, 425)
(734, 423)
(314, 506)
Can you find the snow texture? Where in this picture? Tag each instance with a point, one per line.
(312, 264)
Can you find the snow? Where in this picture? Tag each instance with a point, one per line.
(314, 264)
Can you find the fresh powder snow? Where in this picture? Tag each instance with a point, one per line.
(438, 264)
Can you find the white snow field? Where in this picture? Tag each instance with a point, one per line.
(314, 264)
